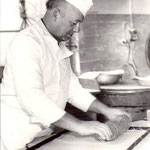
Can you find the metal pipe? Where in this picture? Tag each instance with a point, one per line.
(75, 58)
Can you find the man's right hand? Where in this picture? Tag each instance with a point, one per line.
(71, 123)
(100, 130)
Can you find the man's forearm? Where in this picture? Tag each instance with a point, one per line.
(109, 112)
(69, 122)
(98, 107)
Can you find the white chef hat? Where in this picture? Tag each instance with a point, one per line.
(82, 5)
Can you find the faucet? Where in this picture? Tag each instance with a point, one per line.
(130, 36)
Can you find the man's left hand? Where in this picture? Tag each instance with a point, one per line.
(114, 112)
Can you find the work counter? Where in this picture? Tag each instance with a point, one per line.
(136, 138)
(135, 99)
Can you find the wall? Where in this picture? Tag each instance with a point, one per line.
(102, 33)
(10, 24)
(121, 6)
(12, 21)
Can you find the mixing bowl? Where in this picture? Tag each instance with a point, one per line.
(109, 77)
(143, 81)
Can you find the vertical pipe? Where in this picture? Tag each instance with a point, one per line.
(75, 58)
(131, 13)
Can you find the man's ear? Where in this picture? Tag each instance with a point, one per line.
(56, 13)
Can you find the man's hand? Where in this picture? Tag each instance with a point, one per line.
(114, 112)
(99, 130)
(96, 128)
(110, 113)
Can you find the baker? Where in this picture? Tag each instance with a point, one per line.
(38, 80)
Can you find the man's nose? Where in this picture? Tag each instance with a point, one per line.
(76, 28)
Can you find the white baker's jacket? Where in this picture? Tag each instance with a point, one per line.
(39, 76)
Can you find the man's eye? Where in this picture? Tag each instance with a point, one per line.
(73, 23)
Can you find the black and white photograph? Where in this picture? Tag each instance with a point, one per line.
(74, 74)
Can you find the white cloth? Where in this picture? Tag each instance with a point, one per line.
(82, 5)
(37, 83)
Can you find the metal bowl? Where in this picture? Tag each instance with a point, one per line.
(143, 81)
(109, 77)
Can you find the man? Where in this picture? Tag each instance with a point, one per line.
(38, 80)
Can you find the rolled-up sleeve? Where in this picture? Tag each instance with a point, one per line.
(78, 96)
(26, 67)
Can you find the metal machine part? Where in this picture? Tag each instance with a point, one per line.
(147, 50)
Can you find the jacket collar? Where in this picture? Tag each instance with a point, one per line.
(63, 52)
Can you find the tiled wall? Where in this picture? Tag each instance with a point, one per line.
(101, 46)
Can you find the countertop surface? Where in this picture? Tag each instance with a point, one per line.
(136, 138)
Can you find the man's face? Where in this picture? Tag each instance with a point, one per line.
(68, 23)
